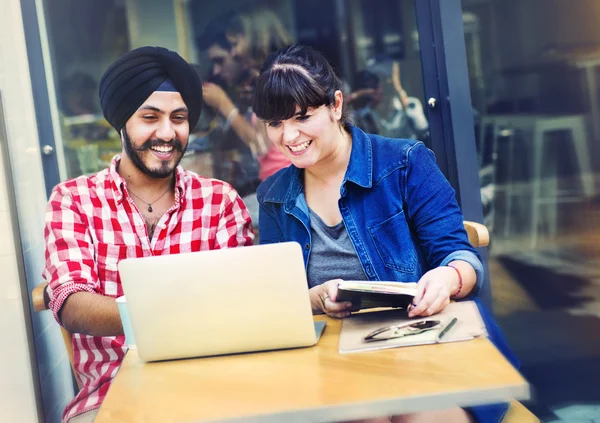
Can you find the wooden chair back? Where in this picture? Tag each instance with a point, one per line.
(40, 299)
(479, 235)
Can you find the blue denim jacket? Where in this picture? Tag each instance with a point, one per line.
(400, 211)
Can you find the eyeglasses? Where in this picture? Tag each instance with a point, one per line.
(399, 331)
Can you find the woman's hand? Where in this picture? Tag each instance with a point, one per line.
(323, 300)
(433, 291)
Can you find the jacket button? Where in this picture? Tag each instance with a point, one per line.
(307, 246)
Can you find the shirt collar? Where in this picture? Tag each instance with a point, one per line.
(119, 185)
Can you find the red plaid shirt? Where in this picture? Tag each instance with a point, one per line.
(92, 223)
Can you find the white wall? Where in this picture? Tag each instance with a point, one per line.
(17, 397)
(20, 269)
(17, 392)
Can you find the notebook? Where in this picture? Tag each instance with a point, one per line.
(356, 327)
(365, 294)
(219, 302)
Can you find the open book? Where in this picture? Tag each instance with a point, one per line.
(366, 294)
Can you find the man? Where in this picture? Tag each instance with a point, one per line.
(228, 93)
(402, 117)
(143, 205)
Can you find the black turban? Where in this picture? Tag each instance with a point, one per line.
(133, 77)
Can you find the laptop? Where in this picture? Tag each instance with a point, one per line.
(219, 302)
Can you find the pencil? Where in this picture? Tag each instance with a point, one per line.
(446, 329)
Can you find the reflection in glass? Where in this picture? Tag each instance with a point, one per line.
(533, 67)
(394, 114)
(370, 42)
(229, 41)
(232, 42)
(85, 36)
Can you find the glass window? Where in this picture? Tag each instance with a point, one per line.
(82, 48)
(372, 43)
(533, 67)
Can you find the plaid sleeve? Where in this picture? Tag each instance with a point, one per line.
(70, 265)
(235, 224)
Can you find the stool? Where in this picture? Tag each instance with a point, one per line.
(537, 127)
(504, 126)
(576, 125)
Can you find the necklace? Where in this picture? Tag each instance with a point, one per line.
(145, 202)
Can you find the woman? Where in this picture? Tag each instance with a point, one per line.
(363, 207)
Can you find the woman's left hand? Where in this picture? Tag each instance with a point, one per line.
(433, 291)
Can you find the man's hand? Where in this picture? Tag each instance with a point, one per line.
(215, 97)
(398, 85)
(433, 291)
(323, 300)
(361, 93)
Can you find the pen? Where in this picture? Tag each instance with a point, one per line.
(446, 329)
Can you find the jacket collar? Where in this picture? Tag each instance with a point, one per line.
(360, 168)
(288, 184)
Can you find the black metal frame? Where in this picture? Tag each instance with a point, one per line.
(41, 99)
(446, 79)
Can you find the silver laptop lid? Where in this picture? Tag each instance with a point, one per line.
(218, 302)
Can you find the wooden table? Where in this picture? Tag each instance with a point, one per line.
(311, 384)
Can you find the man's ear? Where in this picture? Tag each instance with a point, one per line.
(122, 136)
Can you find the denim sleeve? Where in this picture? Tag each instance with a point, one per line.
(434, 215)
(473, 260)
(269, 231)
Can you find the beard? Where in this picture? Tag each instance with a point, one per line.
(135, 155)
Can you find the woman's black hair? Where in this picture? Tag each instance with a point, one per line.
(295, 76)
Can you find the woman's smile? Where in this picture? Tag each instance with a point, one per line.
(298, 149)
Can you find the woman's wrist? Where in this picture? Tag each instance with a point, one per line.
(456, 286)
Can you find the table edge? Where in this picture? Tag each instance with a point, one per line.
(389, 407)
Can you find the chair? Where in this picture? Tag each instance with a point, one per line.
(478, 237)
(478, 234)
(518, 413)
(40, 300)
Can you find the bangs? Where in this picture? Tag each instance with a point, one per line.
(282, 89)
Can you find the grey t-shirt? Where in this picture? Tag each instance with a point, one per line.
(332, 255)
